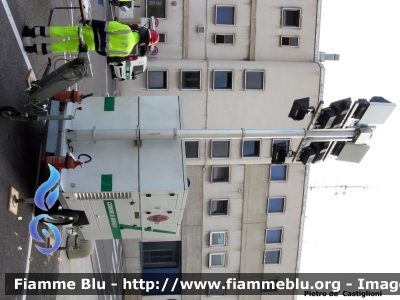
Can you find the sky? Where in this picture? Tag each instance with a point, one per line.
(358, 232)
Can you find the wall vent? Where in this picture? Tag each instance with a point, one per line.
(201, 29)
(99, 196)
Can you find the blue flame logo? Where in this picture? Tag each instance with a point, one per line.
(35, 234)
(50, 200)
(45, 187)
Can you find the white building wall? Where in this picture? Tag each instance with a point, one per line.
(238, 108)
(290, 73)
(269, 30)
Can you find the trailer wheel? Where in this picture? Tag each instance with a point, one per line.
(63, 217)
(9, 112)
(118, 78)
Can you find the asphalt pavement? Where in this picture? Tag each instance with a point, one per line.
(19, 144)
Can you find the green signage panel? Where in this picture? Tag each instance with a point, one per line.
(113, 219)
(106, 182)
(109, 103)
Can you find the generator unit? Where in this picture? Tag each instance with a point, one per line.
(131, 189)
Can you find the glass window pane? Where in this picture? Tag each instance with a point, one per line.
(285, 41)
(220, 174)
(274, 236)
(192, 149)
(272, 257)
(156, 8)
(229, 39)
(294, 41)
(157, 79)
(220, 149)
(191, 80)
(291, 18)
(223, 80)
(219, 39)
(278, 173)
(251, 148)
(217, 260)
(276, 205)
(225, 15)
(219, 207)
(162, 37)
(254, 80)
(217, 238)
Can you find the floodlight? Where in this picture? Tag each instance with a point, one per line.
(326, 118)
(320, 150)
(361, 108)
(279, 153)
(307, 155)
(340, 108)
(377, 112)
(348, 151)
(300, 108)
(338, 148)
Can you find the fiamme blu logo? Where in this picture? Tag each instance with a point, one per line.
(40, 202)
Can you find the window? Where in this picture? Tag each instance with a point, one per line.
(163, 38)
(217, 260)
(292, 41)
(157, 80)
(156, 8)
(254, 80)
(192, 149)
(166, 254)
(223, 80)
(219, 207)
(278, 173)
(218, 239)
(281, 142)
(272, 257)
(216, 292)
(276, 205)
(219, 174)
(224, 15)
(291, 17)
(269, 285)
(190, 79)
(273, 236)
(220, 149)
(251, 148)
(224, 39)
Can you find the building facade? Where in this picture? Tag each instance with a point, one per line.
(236, 64)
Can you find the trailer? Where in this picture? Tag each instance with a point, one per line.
(132, 188)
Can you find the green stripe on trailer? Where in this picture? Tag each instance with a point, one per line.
(106, 182)
(124, 226)
(109, 103)
(113, 219)
(128, 70)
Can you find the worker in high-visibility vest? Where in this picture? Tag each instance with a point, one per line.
(107, 38)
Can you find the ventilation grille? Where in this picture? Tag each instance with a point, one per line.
(201, 29)
(99, 196)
